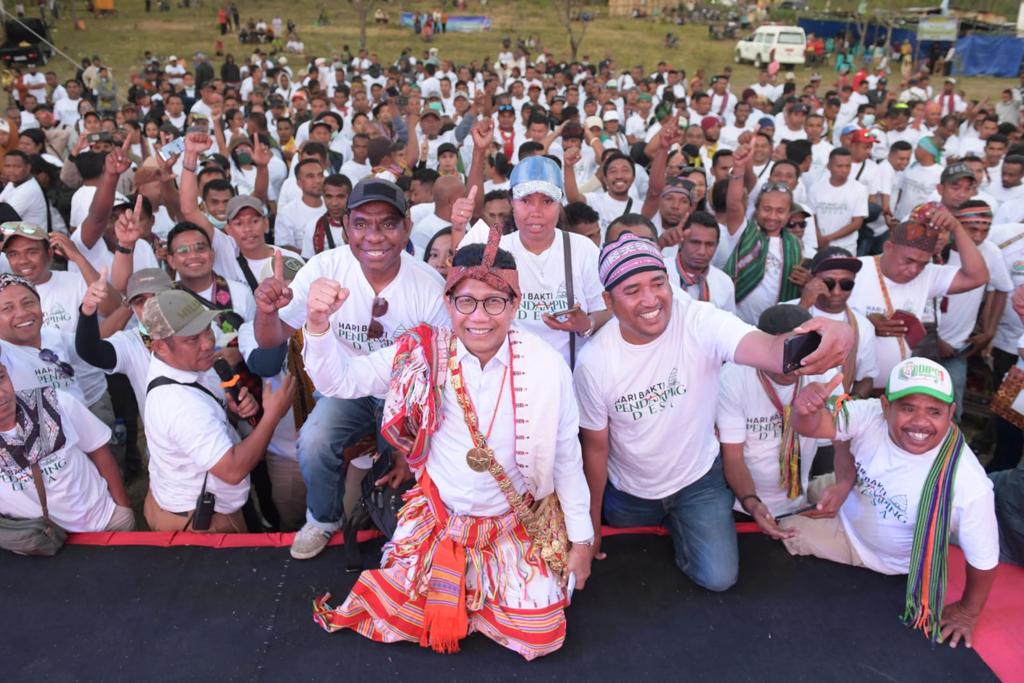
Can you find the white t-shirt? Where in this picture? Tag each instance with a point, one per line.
(414, 296)
(542, 281)
(915, 185)
(336, 232)
(766, 294)
(355, 171)
(1010, 328)
(132, 361)
(100, 256)
(886, 179)
(77, 497)
(60, 297)
(28, 200)
(867, 298)
(746, 415)
(424, 229)
(721, 289)
(188, 432)
(880, 513)
(655, 398)
(957, 321)
(866, 363)
(291, 222)
(28, 370)
(81, 202)
(834, 207)
(609, 208)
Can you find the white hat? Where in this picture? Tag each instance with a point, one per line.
(282, 60)
(172, 58)
(592, 122)
(612, 84)
(610, 115)
(790, 76)
(320, 61)
(919, 376)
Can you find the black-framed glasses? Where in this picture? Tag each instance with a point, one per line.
(845, 285)
(65, 369)
(379, 309)
(493, 305)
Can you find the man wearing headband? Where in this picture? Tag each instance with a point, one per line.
(912, 486)
(958, 313)
(647, 419)
(893, 290)
(390, 292)
(551, 262)
(484, 414)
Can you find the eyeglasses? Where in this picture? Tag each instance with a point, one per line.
(493, 305)
(380, 308)
(776, 187)
(845, 285)
(197, 248)
(506, 107)
(65, 369)
(793, 225)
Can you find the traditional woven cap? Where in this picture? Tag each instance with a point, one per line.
(974, 212)
(243, 201)
(680, 186)
(627, 256)
(535, 174)
(8, 279)
(919, 376)
(503, 279)
(29, 231)
(148, 281)
(173, 313)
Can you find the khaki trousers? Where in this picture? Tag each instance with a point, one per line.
(288, 491)
(824, 538)
(163, 520)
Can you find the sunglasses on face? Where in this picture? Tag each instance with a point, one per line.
(796, 225)
(845, 285)
(380, 308)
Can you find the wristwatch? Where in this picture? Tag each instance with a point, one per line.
(123, 249)
(589, 542)
(590, 330)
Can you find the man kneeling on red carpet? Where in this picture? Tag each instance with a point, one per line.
(908, 484)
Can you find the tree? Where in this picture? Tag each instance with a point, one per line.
(567, 9)
(363, 8)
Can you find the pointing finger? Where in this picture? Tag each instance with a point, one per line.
(472, 194)
(137, 214)
(278, 267)
(833, 383)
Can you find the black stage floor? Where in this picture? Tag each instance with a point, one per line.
(144, 613)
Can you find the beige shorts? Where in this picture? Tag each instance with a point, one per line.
(824, 538)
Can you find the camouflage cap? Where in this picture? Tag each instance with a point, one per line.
(174, 313)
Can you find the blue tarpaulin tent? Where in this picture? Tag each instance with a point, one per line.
(981, 55)
(461, 24)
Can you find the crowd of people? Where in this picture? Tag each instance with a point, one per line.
(555, 295)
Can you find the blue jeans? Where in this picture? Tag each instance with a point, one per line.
(700, 522)
(334, 425)
(957, 368)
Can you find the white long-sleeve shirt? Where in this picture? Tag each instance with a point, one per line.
(337, 373)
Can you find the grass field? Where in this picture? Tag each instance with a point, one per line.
(121, 39)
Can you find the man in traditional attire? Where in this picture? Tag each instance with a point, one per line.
(485, 416)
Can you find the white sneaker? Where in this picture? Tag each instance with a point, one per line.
(309, 541)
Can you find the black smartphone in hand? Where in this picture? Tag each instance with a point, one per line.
(798, 347)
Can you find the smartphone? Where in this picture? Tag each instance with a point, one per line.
(570, 586)
(175, 146)
(797, 512)
(915, 329)
(798, 347)
(562, 316)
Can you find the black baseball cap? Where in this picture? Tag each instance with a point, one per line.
(834, 258)
(782, 318)
(377, 190)
(955, 172)
(447, 148)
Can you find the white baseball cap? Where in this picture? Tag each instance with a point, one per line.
(919, 376)
(610, 115)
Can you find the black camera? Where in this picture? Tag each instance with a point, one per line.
(203, 515)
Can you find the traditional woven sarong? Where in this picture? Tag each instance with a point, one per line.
(510, 596)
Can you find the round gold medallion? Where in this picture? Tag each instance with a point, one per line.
(478, 459)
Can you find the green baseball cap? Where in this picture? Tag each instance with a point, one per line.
(174, 313)
(919, 376)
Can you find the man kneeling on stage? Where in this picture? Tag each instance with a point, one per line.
(484, 414)
(914, 483)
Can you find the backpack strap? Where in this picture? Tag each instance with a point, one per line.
(569, 294)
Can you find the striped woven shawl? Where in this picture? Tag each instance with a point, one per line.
(746, 265)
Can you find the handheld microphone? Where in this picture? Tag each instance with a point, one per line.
(230, 382)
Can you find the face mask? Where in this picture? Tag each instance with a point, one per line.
(869, 119)
(215, 222)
